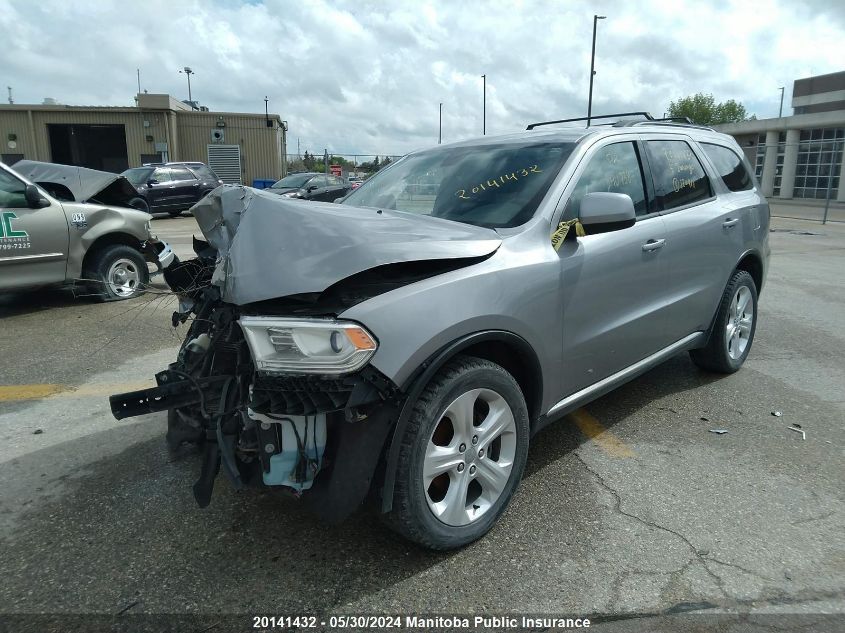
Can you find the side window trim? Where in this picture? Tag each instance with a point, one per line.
(648, 180)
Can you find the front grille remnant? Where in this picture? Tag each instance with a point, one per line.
(300, 395)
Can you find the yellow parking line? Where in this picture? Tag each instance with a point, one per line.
(10, 393)
(606, 440)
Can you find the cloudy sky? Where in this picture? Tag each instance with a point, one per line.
(367, 76)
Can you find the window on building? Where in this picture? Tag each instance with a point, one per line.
(730, 167)
(761, 156)
(679, 178)
(781, 155)
(819, 163)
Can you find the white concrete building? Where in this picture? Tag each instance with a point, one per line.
(799, 158)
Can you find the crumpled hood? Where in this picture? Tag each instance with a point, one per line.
(271, 247)
(82, 182)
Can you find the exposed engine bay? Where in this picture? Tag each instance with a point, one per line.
(257, 428)
(268, 382)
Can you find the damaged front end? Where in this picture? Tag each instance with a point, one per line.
(274, 386)
(260, 394)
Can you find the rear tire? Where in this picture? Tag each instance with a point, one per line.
(118, 272)
(734, 327)
(461, 456)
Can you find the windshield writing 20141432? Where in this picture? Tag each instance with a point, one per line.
(498, 182)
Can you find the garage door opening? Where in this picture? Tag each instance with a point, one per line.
(96, 146)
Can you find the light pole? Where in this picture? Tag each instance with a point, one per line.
(187, 71)
(484, 107)
(596, 18)
(780, 111)
(266, 113)
(440, 128)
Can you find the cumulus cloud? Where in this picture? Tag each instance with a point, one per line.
(368, 76)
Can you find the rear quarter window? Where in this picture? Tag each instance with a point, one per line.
(679, 178)
(729, 166)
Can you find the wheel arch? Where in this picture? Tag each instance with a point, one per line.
(108, 239)
(504, 348)
(752, 263)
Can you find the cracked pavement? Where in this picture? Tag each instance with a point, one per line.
(96, 516)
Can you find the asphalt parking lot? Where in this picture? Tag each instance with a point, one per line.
(630, 506)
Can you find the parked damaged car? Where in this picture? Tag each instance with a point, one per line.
(408, 349)
(70, 225)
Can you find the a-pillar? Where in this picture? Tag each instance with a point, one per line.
(769, 163)
(790, 161)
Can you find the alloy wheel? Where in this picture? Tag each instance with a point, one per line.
(469, 457)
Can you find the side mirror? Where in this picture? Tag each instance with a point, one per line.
(34, 199)
(607, 211)
(152, 181)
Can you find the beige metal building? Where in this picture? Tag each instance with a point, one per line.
(239, 147)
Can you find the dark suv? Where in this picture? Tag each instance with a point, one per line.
(172, 187)
(311, 186)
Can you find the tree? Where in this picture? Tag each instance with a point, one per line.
(309, 161)
(702, 109)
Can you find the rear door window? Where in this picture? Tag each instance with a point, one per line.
(679, 178)
(613, 168)
(162, 174)
(203, 173)
(729, 166)
(181, 173)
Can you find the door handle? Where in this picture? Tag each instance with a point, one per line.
(730, 223)
(653, 245)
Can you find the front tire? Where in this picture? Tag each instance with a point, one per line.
(461, 456)
(733, 330)
(118, 272)
(140, 204)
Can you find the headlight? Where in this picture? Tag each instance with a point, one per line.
(291, 194)
(288, 346)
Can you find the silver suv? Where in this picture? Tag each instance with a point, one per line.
(407, 345)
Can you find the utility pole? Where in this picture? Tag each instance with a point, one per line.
(9, 88)
(596, 18)
(780, 111)
(266, 112)
(187, 71)
(439, 130)
(484, 107)
(138, 72)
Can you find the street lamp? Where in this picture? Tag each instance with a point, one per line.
(596, 18)
(187, 71)
(484, 107)
(440, 129)
(780, 111)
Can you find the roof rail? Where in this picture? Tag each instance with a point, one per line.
(647, 116)
(678, 121)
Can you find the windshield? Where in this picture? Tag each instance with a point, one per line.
(138, 175)
(486, 185)
(294, 181)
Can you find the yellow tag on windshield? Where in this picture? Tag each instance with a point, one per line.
(563, 230)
